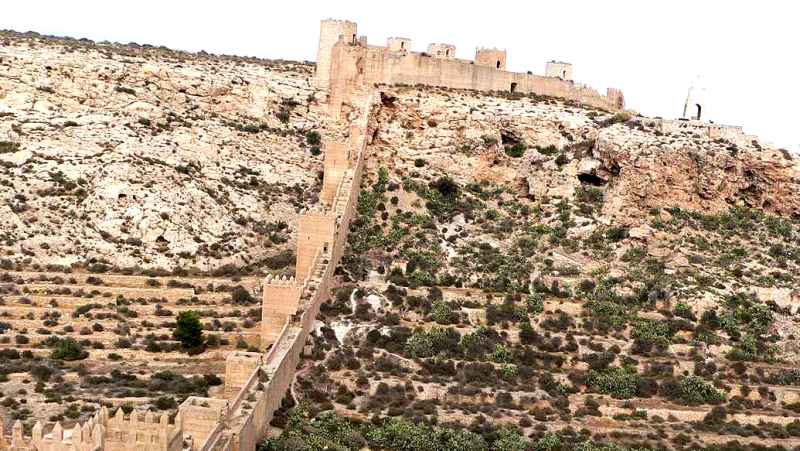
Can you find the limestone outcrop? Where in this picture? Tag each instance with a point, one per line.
(140, 156)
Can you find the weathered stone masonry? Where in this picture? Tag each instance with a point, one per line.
(344, 55)
(255, 383)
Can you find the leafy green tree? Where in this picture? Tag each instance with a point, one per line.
(189, 330)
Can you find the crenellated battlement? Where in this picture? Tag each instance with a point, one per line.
(138, 431)
(88, 436)
(279, 281)
(350, 63)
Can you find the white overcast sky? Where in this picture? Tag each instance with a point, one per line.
(746, 53)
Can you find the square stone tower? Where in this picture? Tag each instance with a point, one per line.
(398, 45)
(444, 51)
(558, 69)
(329, 33)
(491, 57)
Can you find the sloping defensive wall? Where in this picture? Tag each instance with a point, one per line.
(293, 303)
(255, 383)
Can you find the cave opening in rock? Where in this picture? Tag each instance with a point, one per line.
(591, 179)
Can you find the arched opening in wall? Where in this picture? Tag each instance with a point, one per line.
(513, 88)
(402, 45)
(699, 110)
(498, 64)
(354, 39)
(564, 74)
(447, 52)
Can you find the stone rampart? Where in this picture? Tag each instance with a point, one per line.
(352, 60)
(321, 238)
(254, 384)
(146, 432)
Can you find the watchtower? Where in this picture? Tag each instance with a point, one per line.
(491, 57)
(398, 45)
(330, 31)
(444, 51)
(558, 69)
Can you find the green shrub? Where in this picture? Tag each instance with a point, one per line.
(283, 115)
(695, 390)
(165, 403)
(432, 342)
(620, 383)
(442, 312)
(547, 150)
(589, 194)
(68, 349)
(313, 138)
(516, 151)
(241, 296)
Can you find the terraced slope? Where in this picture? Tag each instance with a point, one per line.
(550, 277)
(121, 329)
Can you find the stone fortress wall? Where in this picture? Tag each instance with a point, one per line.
(339, 47)
(146, 432)
(256, 383)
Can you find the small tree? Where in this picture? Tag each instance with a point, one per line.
(188, 330)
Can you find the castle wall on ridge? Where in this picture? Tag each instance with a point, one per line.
(396, 64)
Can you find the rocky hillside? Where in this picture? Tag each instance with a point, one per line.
(144, 157)
(528, 274)
(522, 273)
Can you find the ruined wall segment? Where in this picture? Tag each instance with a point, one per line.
(446, 51)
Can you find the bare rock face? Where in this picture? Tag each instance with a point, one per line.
(694, 173)
(567, 149)
(148, 157)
